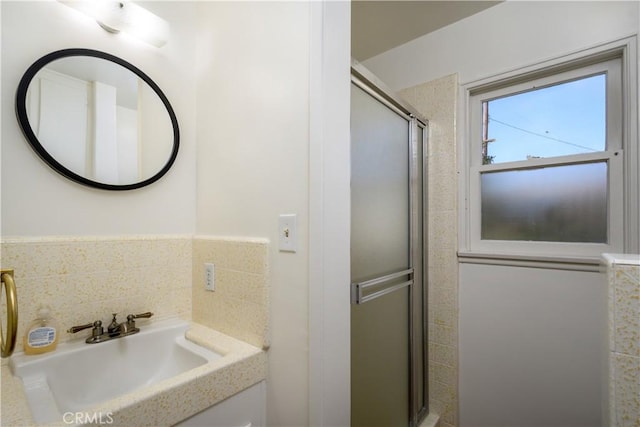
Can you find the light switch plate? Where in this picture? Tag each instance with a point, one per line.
(288, 233)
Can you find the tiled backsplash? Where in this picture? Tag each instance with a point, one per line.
(239, 306)
(88, 278)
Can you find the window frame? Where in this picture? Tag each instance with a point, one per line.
(618, 61)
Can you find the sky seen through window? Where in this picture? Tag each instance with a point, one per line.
(559, 120)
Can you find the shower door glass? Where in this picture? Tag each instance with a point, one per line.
(381, 263)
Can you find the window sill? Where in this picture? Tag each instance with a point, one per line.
(591, 264)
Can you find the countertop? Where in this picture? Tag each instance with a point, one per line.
(167, 402)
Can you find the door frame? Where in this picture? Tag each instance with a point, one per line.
(329, 213)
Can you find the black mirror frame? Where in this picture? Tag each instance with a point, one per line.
(23, 120)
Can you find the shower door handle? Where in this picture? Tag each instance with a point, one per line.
(357, 289)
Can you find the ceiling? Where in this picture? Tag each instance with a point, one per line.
(377, 26)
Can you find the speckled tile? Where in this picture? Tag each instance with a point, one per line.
(15, 410)
(240, 304)
(441, 196)
(626, 371)
(442, 334)
(84, 279)
(442, 226)
(436, 100)
(447, 411)
(443, 354)
(241, 254)
(409, 95)
(623, 276)
(627, 310)
(442, 373)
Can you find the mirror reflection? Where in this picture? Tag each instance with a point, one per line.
(100, 121)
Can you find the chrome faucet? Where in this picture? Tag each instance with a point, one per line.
(114, 330)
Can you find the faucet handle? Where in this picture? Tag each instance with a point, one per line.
(131, 323)
(97, 325)
(146, 315)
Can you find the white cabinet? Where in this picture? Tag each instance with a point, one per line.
(245, 409)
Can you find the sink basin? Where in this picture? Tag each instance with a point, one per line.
(78, 376)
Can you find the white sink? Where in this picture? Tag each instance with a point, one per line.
(78, 376)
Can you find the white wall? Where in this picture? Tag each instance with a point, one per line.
(530, 343)
(507, 36)
(514, 320)
(253, 164)
(36, 200)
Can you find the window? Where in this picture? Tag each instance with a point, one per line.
(562, 119)
(545, 156)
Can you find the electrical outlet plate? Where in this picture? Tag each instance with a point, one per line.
(209, 277)
(288, 233)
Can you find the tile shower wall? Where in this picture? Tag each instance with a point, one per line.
(624, 341)
(436, 100)
(88, 278)
(239, 306)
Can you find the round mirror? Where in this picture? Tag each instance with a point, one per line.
(97, 119)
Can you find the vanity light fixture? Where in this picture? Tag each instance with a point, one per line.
(124, 16)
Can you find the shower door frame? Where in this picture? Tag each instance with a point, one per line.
(418, 130)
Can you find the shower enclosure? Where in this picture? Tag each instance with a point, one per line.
(388, 257)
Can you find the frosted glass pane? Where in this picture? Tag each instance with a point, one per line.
(379, 188)
(552, 204)
(564, 119)
(380, 361)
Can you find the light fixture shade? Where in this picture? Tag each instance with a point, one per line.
(125, 16)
